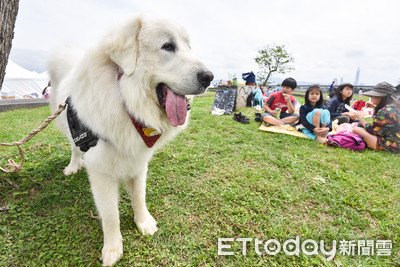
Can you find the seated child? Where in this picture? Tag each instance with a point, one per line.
(384, 132)
(315, 119)
(285, 101)
(337, 104)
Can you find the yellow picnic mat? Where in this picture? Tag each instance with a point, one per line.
(283, 129)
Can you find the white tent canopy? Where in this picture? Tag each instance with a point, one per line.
(19, 81)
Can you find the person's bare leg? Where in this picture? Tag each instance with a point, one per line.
(272, 120)
(370, 139)
(291, 119)
(317, 119)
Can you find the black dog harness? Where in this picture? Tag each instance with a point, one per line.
(83, 137)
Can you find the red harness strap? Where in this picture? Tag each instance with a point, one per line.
(145, 133)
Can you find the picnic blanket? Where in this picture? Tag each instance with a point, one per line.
(283, 129)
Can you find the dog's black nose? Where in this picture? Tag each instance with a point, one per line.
(205, 78)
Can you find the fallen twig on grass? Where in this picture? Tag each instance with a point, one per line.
(92, 216)
(11, 182)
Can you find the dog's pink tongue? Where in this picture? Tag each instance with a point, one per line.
(175, 106)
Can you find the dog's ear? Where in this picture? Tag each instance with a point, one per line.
(123, 46)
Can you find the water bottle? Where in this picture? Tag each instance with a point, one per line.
(278, 113)
(234, 79)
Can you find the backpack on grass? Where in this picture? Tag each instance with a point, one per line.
(346, 140)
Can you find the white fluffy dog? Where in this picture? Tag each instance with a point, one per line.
(128, 91)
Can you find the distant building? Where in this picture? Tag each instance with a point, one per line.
(357, 76)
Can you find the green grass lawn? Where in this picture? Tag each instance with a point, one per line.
(218, 179)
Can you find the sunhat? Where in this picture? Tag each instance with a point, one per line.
(381, 89)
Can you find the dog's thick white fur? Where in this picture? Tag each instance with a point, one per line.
(147, 54)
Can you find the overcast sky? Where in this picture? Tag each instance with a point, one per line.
(327, 38)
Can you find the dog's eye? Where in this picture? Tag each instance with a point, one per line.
(169, 47)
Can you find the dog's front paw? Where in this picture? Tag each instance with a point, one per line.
(73, 167)
(111, 255)
(147, 225)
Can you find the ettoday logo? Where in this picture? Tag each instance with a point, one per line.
(294, 246)
(291, 247)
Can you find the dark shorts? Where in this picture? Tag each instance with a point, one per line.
(283, 115)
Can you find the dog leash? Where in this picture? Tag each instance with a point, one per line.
(12, 166)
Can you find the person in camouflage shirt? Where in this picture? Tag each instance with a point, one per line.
(384, 131)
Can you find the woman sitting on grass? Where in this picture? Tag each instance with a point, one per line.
(315, 119)
(384, 132)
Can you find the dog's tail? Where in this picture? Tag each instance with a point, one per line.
(59, 65)
(61, 62)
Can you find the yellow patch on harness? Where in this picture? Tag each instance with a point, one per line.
(150, 132)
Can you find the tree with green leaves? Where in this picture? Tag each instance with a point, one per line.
(272, 59)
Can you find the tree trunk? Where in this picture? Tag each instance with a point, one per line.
(266, 79)
(8, 15)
